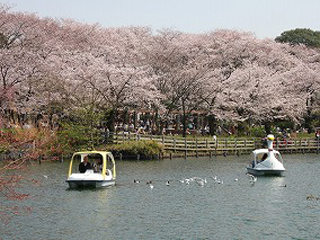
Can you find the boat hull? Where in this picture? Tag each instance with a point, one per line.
(90, 183)
(265, 172)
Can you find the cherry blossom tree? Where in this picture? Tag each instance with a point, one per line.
(113, 76)
(23, 67)
(230, 75)
(266, 89)
(183, 68)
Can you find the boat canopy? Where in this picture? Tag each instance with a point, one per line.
(258, 153)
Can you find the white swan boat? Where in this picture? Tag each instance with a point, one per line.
(100, 169)
(266, 161)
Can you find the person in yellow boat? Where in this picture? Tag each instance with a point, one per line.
(85, 165)
(97, 166)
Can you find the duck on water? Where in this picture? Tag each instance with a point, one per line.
(266, 161)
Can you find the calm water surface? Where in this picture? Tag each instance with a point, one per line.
(232, 210)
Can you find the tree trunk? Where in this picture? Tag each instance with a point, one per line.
(308, 118)
(111, 119)
(184, 120)
(212, 124)
(267, 127)
(157, 123)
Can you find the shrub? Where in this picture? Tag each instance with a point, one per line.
(72, 137)
(31, 143)
(132, 148)
(257, 131)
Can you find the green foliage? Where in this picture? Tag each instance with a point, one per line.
(258, 131)
(243, 128)
(80, 130)
(73, 137)
(304, 36)
(4, 147)
(284, 124)
(305, 135)
(144, 148)
(315, 120)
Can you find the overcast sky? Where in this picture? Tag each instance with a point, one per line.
(265, 18)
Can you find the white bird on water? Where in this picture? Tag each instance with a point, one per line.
(253, 179)
(150, 184)
(219, 181)
(214, 178)
(168, 183)
(187, 181)
(201, 182)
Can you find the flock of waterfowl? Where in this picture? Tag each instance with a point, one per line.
(199, 181)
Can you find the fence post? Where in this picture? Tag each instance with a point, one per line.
(216, 147)
(185, 146)
(300, 145)
(197, 148)
(106, 137)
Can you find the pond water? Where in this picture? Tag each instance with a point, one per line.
(273, 208)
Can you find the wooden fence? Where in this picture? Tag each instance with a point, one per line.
(219, 146)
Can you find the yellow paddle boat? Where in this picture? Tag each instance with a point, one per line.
(91, 169)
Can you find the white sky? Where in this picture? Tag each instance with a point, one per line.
(265, 18)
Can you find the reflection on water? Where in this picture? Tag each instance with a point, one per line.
(274, 208)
